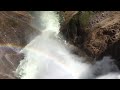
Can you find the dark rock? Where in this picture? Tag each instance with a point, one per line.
(96, 33)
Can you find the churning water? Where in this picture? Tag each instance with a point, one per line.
(46, 57)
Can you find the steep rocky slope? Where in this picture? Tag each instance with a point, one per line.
(96, 33)
(15, 31)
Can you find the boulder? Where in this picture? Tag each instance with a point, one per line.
(96, 33)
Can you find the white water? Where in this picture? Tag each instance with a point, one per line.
(47, 58)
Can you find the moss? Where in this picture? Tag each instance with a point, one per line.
(84, 17)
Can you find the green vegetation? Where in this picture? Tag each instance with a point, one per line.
(84, 17)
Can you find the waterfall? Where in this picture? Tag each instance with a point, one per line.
(46, 57)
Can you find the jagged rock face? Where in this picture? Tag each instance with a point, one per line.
(104, 34)
(73, 31)
(67, 15)
(97, 33)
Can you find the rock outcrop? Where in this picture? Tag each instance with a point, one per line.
(97, 33)
(15, 33)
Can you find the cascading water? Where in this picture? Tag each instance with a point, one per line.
(47, 58)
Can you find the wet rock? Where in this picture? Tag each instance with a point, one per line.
(96, 33)
(103, 35)
(15, 27)
(9, 60)
(15, 33)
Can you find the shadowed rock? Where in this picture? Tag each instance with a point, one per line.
(96, 33)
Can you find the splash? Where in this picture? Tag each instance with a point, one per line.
(46, 57)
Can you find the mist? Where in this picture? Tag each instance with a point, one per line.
(47, 57)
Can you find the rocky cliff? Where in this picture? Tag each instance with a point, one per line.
(96, 33)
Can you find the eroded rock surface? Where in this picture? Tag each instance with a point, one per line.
(97, 33)
(103, 35)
